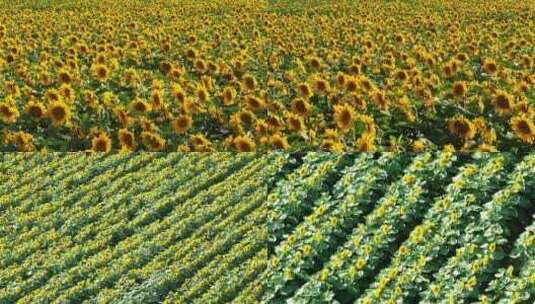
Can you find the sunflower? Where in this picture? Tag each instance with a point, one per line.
(23, 141)
(331, 134)
(59, 113)
(90, 99)
(244, 144)
(365, 84)
(52, 95)
(191, 53)
(246, 117)
(127, 140)
(401, 75)
(295, 123)
(249, 82)
(178, 93)
(379, 98)
(157, 101)
(165, 67)
(279, 142)
(67, 92)
(366, 143)
(35, 110)
(419, 145)
(12, 89)
(200, 142)
(341, 79)
(152, 141)
(320, 86)
(139, 106)
(526, 62)
(369, 124)
(490, 67)
(486, 148)
(101, 143)
(503, 102)
(183, 148)
(200, 65)
(228, 96)
(64, 76)
(100, 72)
(523, 128)
(459, 89)
(332, 145)
(261, 127)
(304, 90)
(254, 103)
(122, 115)
(351, 85)
(461, 127)
(274, 123)
(301, 107)
(315, 62)
(344, 115)
(182, 124)
(202, 93)
(462, 57)
(8, 113)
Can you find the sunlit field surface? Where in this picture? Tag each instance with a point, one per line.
(260, 75)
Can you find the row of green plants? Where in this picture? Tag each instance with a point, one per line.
(433, 227)
(105, 228)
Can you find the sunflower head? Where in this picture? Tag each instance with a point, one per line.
(59, 113)
(315, 62)
(523, 128)
(461, 127)
(304, 90)
(199, 142)
(351, 85)
(301, 107)
(8, 113)
(459, 89)
(64, 76)
(246, 117)
(261, 127)
(332, 145)
(202, 93)
(101, 143)
(344, 115)
(243, 143)
(255, 103)
(152, 141)
(419, 145)
(182, 124)
(321, 86)
(503, 102)
(490, 67)
(139, 106)
(295, 123)
(156, 98)
(228, 95)
(100, 72)
(35, 110)
(249, 82)
(366, 143)
(127, 139)
(279, 142)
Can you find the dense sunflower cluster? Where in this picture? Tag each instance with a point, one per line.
(259, 75)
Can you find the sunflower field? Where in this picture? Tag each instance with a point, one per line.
(278, 228)
(260, 75)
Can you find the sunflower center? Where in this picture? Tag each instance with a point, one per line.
(58, 113)
(524, 127)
